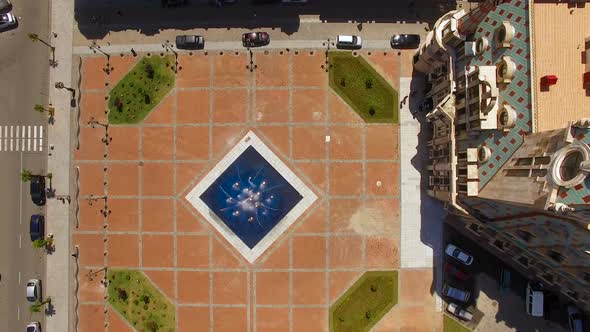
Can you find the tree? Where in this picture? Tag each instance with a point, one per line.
(26, 175)
(40, 243)
(38, 305)
(39, 108)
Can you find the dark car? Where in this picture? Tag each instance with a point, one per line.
(254, 39)
(190, 42)
(455, 272)
(38, 190)
(405, 41)
(37, 227)
(173, 3)
(221, 3)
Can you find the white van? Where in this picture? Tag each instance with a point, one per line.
(534, 300)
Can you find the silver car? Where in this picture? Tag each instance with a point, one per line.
(349, 42)
(459, 311)
(459, 254)
(34, 290)
(34, 327)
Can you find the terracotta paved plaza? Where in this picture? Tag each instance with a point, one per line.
(147, 169)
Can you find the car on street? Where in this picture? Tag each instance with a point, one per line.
(221, 3)
(459, 254)
(405, 41)
(456, 293)
(455, 272)
(349, 42)
(37, 227)
(459, 311)
(5, 6)
(255, 39)
(575, 319)
(37, 190)
(34, 290)
(7, 21)
(173, 3)
(34, 327)
(190, 42)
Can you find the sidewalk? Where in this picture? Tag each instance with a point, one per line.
(58, 163)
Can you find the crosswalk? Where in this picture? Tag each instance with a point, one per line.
(21, 138)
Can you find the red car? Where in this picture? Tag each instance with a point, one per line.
(453, 271)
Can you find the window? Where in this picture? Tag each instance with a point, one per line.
(523, 261)
(518, 172)
(499, 244)
(570, 166)
(539, 172)
(555, 256)
(524, 161)
(542, 160)
(586, 276)
(525, 235)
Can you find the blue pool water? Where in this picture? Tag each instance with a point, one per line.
(251, 197)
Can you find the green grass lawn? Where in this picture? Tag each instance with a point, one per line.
(141, 89)
(451, 325)
(365, 303)
(357, 82)
(142, 305)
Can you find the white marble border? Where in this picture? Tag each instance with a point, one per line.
(251, 140)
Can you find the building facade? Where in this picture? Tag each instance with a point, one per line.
(525, 193)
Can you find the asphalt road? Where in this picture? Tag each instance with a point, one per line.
(24, 76)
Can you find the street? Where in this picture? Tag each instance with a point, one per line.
(24, 72)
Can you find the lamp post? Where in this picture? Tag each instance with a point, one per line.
(60, 85)
(35, 38)
(96, 48)
(252, 65)
(93, 123)
(169, 47)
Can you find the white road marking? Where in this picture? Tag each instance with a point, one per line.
(1, 139)
(20, 138)
(20, 197)
(18, 313)
(40, 138)
(28, 138)
(20, 241)
(35, 138)
(11, 139)
(19, 277)
(22, 146)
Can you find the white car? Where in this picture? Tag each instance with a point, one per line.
(459, 311)
(459, 254)
(34, 290)
(575, 319)
(349, 42)
(34, 327)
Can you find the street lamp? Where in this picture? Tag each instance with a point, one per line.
(60, 85)
(252, 65)
(168, 46)
(93, 123)
(95, 47)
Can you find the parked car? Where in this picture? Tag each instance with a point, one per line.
(7, 21)
(5, 6)
(534, 299)
(455, 272)
(255, 39)
(190, 42)
(349, 42)
(459, 254)
(173, 3)
(575, 319)
(459, 311)
(37, 227)
(37, 190)
(456, 293)
(405, 41)
(34, 290)
(221, 3)
(34, 327)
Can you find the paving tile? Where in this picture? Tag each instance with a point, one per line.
(91, 289)
(157, 179)
(229, 105)
(91, 146)
(122, 179)
(381, 252)
(164, 280)
(316, 174)
(163, 113)
(346, 179)
(190, 318)
(123, 250)
(91, 248)
(346, 252)
(124, 214)
(273, 68)
(276, 257)
(416, 318)
(230, 69)
(340, 112)
(93, 75)
(387, 211)
(341, 281)
(342, 212)
(224, 257)
(186, 221)
(346, 143)
(272, 106)
(310, 319)
(387, 65)
(187, 292)
(192, 251)
(415, 286)
(309, 288)
(382, 142)
(272, 287)
(309, 105)
(91, 218)
(91, 179)
(186, 173)
(309, 252)
(272, 319)
(230, 288)
(315, 222)
(93, 105)
(193, 106)
(407, 63)
(192, 143)
(309, 142)
(230, 319)
(157, 250)
(120, 66)
(157, 215)
(382, 179)
(390, 322)
(278, 137)
(91, 317)
(307, 69)
(195, 71)
(225, 137)
(125, 143)
(118, 323)
(157, 143)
